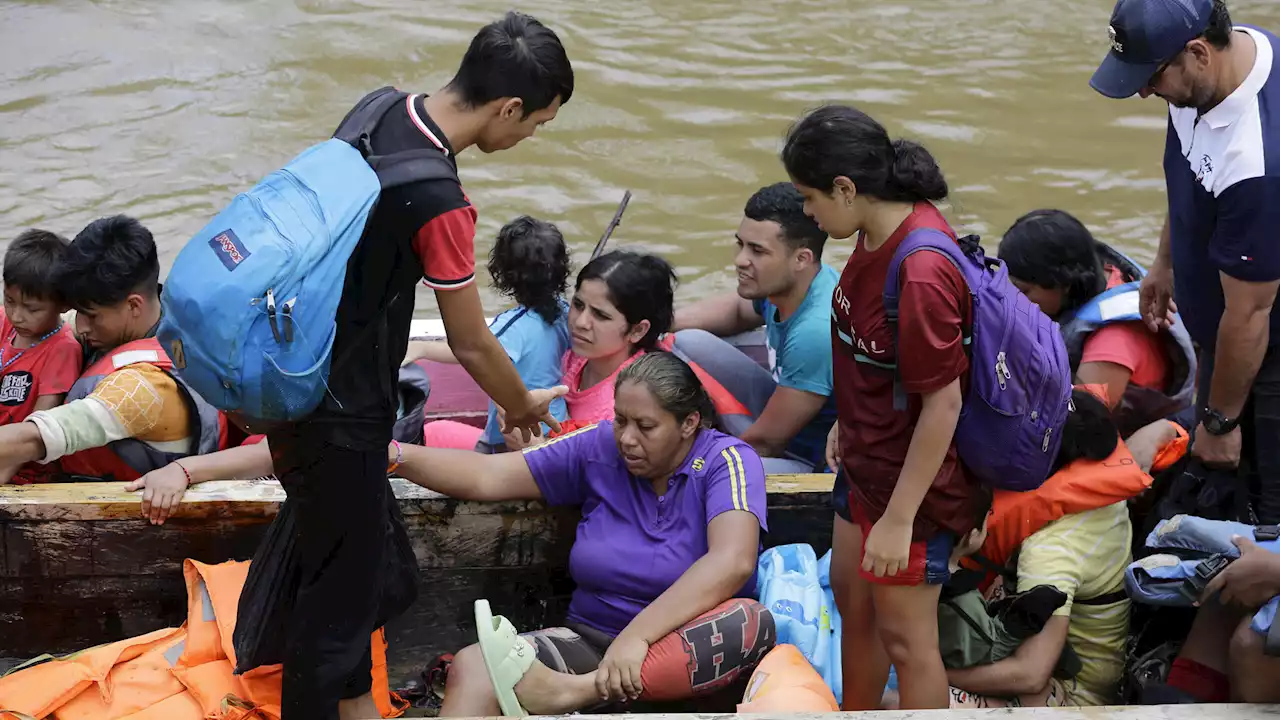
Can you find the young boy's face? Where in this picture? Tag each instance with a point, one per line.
(30, 316)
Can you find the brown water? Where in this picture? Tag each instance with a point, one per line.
(165, 109)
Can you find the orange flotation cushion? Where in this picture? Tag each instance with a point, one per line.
(784, 681)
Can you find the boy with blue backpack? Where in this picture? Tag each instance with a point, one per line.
(292, 309)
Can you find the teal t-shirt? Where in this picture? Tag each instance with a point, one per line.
(800, 358)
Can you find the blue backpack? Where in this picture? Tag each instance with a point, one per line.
(1010, 426)
(250, 303)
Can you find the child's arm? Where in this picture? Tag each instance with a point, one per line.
(433, 350)
(163, 488)
(888, 546)
(1026, 672)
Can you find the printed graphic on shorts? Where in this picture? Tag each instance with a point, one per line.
(15, 388)
(722, 645)
(229, 249)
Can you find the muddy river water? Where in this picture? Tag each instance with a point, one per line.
(165, 109)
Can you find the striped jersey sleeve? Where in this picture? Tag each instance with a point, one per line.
(446, 247)
(735, 481)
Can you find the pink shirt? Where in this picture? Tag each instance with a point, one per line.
(1131, 346)
(595, 403)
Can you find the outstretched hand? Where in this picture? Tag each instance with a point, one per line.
(162, 492)
(538, 410)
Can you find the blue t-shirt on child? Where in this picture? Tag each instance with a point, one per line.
(800, 358)
(535, 348)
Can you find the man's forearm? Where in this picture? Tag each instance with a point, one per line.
(488, 364)
(719, 315)
(760, 440)
(1242, 343)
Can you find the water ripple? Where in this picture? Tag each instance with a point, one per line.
(166, 110)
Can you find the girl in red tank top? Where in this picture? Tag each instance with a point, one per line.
(909, 495)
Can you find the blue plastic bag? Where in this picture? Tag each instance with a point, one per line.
(831, 673)
(796, 589)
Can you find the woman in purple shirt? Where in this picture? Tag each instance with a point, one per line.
(671, 518)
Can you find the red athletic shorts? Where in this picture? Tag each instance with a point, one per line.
(930, 560)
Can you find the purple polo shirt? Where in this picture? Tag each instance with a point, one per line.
(632, 544)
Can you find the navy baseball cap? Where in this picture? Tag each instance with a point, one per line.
(1146, 34)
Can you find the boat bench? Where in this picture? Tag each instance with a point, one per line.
(80, 567)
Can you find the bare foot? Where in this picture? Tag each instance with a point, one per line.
(543, 691)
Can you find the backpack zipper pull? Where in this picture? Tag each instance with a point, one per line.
(1047, 434)
(1002, 371)
(271, 314)
(288, 320)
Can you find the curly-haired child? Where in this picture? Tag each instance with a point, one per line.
(529, 263)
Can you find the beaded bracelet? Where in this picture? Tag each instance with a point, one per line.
(184, 471)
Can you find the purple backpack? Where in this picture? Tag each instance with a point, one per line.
(1011, 422)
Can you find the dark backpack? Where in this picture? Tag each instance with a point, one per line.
(1010, 426)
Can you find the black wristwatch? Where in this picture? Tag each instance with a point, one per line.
(1216, 423)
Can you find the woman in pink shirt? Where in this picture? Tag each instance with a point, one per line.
(622, 303)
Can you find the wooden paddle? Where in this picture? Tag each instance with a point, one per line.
(613, 224)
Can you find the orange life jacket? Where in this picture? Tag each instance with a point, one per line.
(1083, 485)
(130, 459)
(173, 674)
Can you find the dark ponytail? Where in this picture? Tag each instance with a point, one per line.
(838, 140)
(915, 173)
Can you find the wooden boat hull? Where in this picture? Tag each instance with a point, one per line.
(79, 566)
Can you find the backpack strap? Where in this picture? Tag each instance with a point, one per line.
(411, 166)
(916, 241)
(358, 125)
(507, 326)
(395, 169)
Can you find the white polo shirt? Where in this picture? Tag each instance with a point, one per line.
(1222, 171)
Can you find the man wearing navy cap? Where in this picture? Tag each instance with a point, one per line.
(1221, 239)
(1221, 242)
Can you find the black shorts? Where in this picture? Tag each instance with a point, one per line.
(840, 497)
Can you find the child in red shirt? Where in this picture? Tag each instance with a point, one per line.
(40, 358)
(909, 496)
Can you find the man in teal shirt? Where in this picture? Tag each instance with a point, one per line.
(783, 285)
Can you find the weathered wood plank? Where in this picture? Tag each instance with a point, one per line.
(108, 501)
(79, 566)
(1133, 712)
